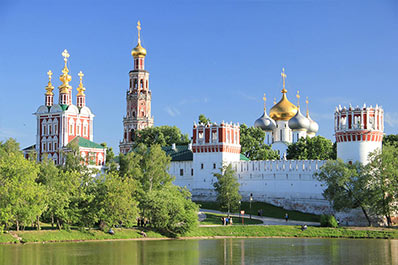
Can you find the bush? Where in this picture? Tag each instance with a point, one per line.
(328, 221)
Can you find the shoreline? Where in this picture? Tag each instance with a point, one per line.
(201, 233)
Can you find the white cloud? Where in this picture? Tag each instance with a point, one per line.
(336, 101)
(391, 118)
(172, 111)
(247, 96)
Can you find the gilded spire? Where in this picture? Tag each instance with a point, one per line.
(139, 31)
(265, 99)
(306, 102)
(139, 51)
(274, 101)
(65, 77)
(81, 88)
(284, 80)
(49, 86)
(298, 99)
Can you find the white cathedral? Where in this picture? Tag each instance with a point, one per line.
(287, 183)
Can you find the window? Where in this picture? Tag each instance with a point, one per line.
(281, 135)
(55, 128)
(214, 166)
(181, 172)
(201, 166)
(55, 146)
(78, 129)
(49, 146)
(214, 136)
(85, 129)
(43, 146)
(49, 129)
(43, 128)
(191, 171)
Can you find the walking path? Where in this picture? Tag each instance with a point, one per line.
(266, 220)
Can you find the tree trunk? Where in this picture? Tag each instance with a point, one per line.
(58, 224)
(366, 215)
(17, 224)
(38, 223)
(52, 221)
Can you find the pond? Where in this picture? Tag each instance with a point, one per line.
(211, 251)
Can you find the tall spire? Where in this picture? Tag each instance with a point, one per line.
(284, 81)
(306, 102)
(49, 86)
(265, 99)
(139, 31)
(81, 88)
(49, 95)
(65, 88)
(298, 99)
(81, 97)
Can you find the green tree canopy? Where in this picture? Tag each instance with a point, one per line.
(382, 181)
(22, 199)
(170, 209)
(227, 188)
(161, 135)
(252, 141)
(203, 119)
(346, 186)
(391, 139)
(316, 148)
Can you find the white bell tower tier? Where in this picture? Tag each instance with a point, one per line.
(358, 131)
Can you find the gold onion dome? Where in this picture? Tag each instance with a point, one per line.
(65, 78)
(284, 109)
(49, 86)
(139, 51)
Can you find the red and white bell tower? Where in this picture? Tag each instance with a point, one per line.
(138, 97)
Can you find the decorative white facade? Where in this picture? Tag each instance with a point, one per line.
(285, 124)
(287, 183)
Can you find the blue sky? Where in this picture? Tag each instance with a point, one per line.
(211, 57)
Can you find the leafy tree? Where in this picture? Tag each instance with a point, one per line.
(252, 141)
(382, 181)
(161, 135)
(203, 119)
(110, 159)
(227, 188)
(22, 199)
(170, 209)
(346, 186)
(114, 200)
(391, 139)
(316, 148)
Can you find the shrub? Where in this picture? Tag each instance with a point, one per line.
(328, 221)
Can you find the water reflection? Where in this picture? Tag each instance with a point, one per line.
(217, 251)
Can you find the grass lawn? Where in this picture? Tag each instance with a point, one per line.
(268, 210)
(215, 219)
(291, 231)
(7, 238)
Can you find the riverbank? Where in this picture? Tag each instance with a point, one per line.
(249, 231)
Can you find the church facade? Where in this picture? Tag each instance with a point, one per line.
(59, 124)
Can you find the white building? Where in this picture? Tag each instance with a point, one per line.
(285, 123)
(287, 183)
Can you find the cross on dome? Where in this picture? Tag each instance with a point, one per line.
(284, 80)
(298, 99)
(139, 31)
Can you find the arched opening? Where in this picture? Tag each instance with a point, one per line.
(132, 135)
(146, 85)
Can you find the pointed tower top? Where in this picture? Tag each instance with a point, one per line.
(298, 99)
(306, 102)
(139, 51)
(49, 86)
(265, 99)
(65, 77)
(284, 80)
(81, 88)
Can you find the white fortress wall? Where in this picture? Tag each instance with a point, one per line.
(286, 183)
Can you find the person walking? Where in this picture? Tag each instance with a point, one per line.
(286, 217)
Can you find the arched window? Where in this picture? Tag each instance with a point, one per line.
(142, 84)
(78, 128)
(146, 85)
(132, 134)
(133, 114)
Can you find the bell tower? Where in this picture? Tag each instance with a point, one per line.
(138, 97)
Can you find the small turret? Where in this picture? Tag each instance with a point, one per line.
(81, 97)
(49, 95)
(65, 89)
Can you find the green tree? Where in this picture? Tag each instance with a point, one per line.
(22, 199)
(170, 209)
(252, 141)
(203, 119)
(114, 201)
(382, 181)
(111, 165)
(391, 139)
(161, 135)
(346, 186)
(227, 188)
(316, 148)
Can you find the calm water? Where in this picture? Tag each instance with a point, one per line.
(220, 251)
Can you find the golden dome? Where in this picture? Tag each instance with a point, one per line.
(284, 110)
(138, 51)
